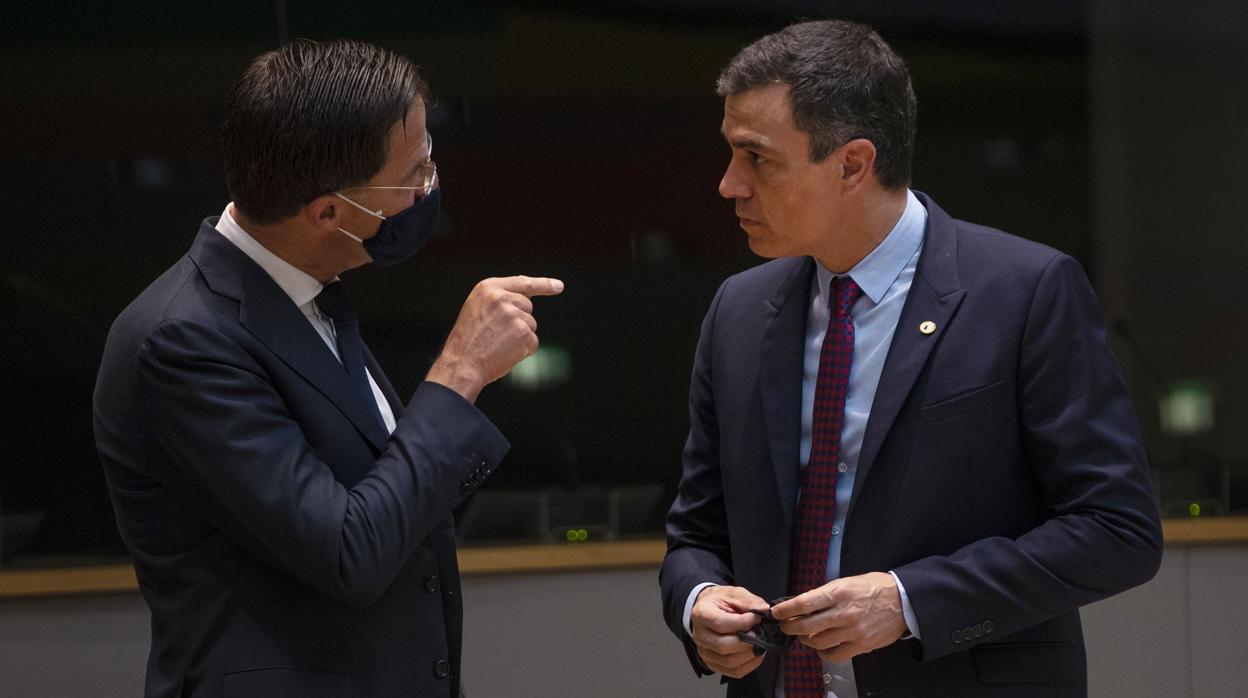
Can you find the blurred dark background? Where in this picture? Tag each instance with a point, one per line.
(580, 140)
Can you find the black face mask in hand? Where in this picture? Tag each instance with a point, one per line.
(766, 636)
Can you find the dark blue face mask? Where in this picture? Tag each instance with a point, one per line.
(403, 234)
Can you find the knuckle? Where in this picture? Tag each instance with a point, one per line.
(717, 624)
(711, 658)
(720, 644)
(730, 644)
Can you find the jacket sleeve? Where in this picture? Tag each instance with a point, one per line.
(1080, 435)
(222, 438)
(697, 527)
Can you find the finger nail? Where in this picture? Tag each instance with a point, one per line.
(557, 285)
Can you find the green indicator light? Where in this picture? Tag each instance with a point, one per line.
(1194, 509)
(582, 534)
(571, 535)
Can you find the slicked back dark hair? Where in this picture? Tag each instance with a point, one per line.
(311, 118)
(844, 83)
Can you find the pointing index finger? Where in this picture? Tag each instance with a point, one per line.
(532, 286)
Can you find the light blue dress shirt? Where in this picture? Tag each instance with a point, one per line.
(884, 276)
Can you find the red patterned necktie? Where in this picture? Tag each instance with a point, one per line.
(816, 507)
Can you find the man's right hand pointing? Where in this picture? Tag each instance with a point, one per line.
(494, 332)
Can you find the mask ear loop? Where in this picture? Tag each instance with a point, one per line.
(375, 214)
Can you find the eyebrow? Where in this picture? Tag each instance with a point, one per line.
(745, 143)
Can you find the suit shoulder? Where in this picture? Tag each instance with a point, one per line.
(179, 295)
(759, 282)
(989, 250)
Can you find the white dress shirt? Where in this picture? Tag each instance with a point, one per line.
(303, 290)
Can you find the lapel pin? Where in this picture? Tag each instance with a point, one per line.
(927, 327)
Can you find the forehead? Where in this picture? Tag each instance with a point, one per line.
(408, 136)
(761, 115)
(407, 146)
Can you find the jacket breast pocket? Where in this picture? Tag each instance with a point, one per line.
(287, 682)
(963, 402)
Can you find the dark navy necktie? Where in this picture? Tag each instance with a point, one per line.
(332, 301)
(816, 507)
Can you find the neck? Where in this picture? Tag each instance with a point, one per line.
(286, 241)
(866, 227)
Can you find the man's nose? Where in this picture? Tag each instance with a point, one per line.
(732, 186)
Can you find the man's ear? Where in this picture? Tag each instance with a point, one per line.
(857, 162)
(325, 213)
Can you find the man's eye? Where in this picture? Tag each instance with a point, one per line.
(756, 158)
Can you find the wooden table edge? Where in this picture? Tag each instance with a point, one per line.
(526, 559)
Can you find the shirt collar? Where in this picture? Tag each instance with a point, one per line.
(876, 272)
(299, 285)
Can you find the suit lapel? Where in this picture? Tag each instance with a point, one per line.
(934, 296)
(273, 319)
(780, 377)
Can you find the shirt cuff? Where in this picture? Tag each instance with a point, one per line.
(912, 623)
(693, 596)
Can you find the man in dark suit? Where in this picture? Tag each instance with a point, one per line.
(289, 516)
(912, 424)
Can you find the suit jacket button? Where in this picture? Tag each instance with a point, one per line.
(432, 585)
(441, 668)
(957, 637)
(988, 626)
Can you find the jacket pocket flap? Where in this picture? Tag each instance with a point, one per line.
(287, 682)
(962, 402)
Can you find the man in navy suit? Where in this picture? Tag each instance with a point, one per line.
(289, 516)
(911, 424)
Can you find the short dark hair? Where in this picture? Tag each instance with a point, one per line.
(844, 83)
(310, 118)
